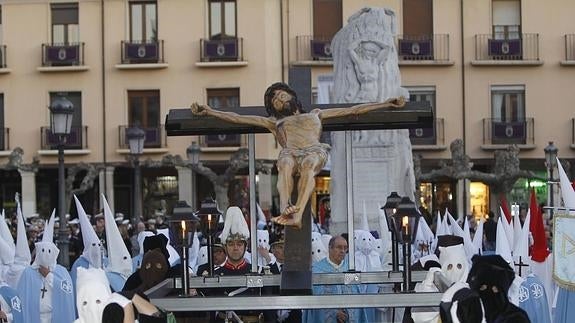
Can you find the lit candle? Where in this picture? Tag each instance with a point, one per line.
(405, 224)
(209, 221)
(183, 231)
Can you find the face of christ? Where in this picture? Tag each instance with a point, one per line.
(284, 104)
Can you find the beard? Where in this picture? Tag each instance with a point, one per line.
(289, 109)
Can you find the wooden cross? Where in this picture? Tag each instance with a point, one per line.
(521, 264)
(43, 290)
(296, 274)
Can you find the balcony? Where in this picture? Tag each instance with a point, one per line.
(313, 51)
(5, 139)
(226, 52)
(498, 133)
(142, 55)
(3, 67)
(491, 51)
(423, 50)
(222, 142)
(573, 133)
(76, 140)
(569, 50)
(155, 138)
(63, 57)
(429, 138)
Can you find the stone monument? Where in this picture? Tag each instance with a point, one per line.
(366, 70)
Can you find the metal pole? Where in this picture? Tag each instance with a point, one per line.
(406, 266)
(63, 240)
(394, 252)
(551, 183)
(210, 253)
(253, 209)
(137, 192)
(349, 186)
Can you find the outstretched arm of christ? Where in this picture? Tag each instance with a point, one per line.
(205, 110)
(361, 108)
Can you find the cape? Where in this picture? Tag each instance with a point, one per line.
(14, 303)
(533, 300)
(63, 300)
(329, 315)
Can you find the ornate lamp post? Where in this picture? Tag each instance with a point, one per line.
(183, 226)
(550, 162)
(61, 115)
(406, 222)
(209, 215)
(390, 208)
(136, 137)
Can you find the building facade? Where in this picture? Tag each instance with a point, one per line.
(496, 73)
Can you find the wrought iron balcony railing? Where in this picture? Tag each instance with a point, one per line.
(434, 136)
(68, 54)
(222, 140)
(4, 138)
(523, 48)
(501, 132)
(155, 137)
(77, 139)
(3, 56)
(570, 47)
(310, 48)
(221, 50)
(419, 48)
(142, 52)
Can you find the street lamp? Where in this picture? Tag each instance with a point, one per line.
(193, 151)
(136, 137)
(209, 215)
(406, 222)
(390, 208)
(182, 223)
(550, 162)
(61, 115)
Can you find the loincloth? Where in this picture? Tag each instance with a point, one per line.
(320, 150)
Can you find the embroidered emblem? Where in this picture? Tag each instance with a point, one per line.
(536, 290)
(16, 304)
(66, 286)
(523, 294)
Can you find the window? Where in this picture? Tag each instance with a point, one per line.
(65, 23)
(417, 18)
(3, 143)
(506, 19)
(222, 19)
(143, 21)
(423, 136)
(223, 99)
(327, 18)
(144, 108)
(507, 103)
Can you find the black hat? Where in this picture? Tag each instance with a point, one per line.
(158, 241)
(276, 239)
(490, 270)
(217, 243)
(447, 241)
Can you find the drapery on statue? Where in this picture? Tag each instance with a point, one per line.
(298, 133)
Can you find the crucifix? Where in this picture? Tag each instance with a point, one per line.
(298, 135)
(521, 264)
(43, 290)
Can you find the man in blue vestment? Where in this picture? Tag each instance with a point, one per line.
(533, 300)
(45, 287)
(335, 262)
(10, 304)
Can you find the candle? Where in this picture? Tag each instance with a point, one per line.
(209, 221)
(183, 231)
(405, 224)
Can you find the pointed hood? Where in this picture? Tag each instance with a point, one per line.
(478, 237)
(22, 255)
(174, 258)
(516, 231)
(119, 257)
(505, 208)
(521, 250)
(439, 229)
(261, 217)
(424, 238)
(566, 189)
(446, 225)
(92, 245)
(235, 226)
(194, 251)
(384, 233)
(539, 250)
(458, 231)
(364, 225)
(46, 250)
(6, 236)
(502, 243)
(507, 228)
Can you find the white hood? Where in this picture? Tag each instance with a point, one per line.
(46, 250)
(92, 294)
(119, 257)
(92, 245)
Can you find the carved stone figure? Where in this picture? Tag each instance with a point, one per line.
(298, 133)
(366, 70)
